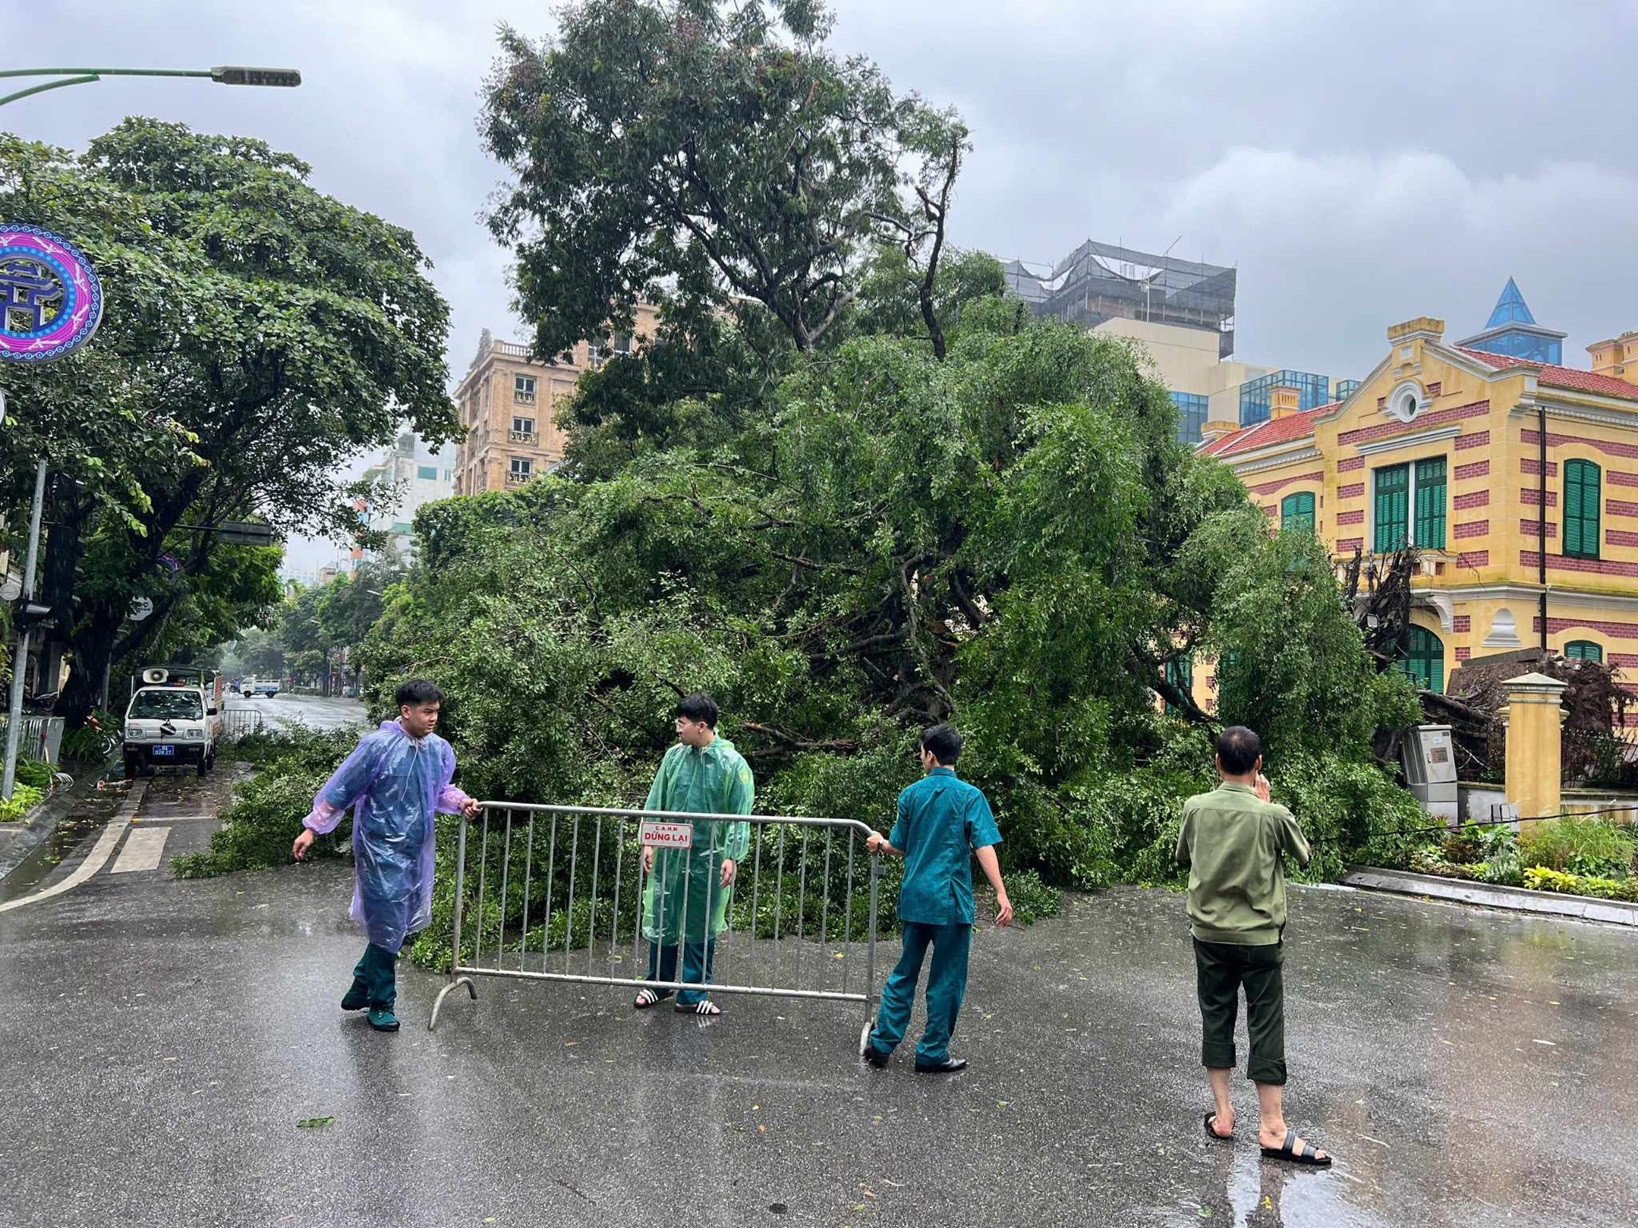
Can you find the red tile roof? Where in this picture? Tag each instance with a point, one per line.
(1561, 377)
(1270, 432)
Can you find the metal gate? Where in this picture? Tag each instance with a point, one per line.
(560, 896)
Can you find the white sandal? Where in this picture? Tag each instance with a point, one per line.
(705, 1007)
(647, 998)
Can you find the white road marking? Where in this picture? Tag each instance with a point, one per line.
(97, 857)
(144, 848)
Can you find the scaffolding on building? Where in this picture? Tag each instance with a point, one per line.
(1102, 281)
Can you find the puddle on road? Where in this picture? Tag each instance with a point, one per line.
(76, 829)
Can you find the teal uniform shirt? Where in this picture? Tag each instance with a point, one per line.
(941, 820)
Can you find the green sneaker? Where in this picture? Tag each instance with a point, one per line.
(382, 1019)
(358, 997)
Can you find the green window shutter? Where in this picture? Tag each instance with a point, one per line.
(1424, 663)
(1180, 673)
(1582, 499)
(1297, 512)
(1583, 650)
(1430, 503)
(1392, 489)
(1572, 508)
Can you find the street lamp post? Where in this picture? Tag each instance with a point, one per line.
(229, 74)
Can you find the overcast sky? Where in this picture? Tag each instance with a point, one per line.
(1360, 163)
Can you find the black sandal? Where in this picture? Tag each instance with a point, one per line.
(703, 1007)
(1221, 1138)
(1309, 1155)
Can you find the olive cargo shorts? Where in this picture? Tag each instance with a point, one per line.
(1221, 969)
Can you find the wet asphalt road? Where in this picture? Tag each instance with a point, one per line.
(163, 1038)
(285, 709)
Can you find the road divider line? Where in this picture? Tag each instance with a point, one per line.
(99, 854)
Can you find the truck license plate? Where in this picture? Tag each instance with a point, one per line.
(165, 750)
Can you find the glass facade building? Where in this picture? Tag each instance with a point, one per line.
(1256, 395)
(1191, 416)
(1512, 330)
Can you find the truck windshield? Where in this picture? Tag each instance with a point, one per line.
(166, 705)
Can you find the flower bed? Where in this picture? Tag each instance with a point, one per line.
(1574, 856)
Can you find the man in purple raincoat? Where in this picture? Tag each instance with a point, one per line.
(396, 780)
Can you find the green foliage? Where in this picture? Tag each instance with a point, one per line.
(266, 815)
(1594, 847)
(350, 605)
(1488, 852)
(1032, 900)
(1544, 878)
(35, 772)
(23, 799)
(849, 489)
(256, 335)
(1584, 856)
(1292, 663)
(712, 157)
(1010, 536)
(89, 743)
(1123, 826)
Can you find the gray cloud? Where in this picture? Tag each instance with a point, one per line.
(1359, 162)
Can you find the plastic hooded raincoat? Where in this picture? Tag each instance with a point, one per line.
(685, 899)
(394, 784)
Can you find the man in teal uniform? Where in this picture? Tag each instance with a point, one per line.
(941, 822)
(685, 902)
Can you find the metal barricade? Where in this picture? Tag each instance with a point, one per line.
(241, 722)
(39, 737)
(562, 895)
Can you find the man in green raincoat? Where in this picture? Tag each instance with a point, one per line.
(685, 903)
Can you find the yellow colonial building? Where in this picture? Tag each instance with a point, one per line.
(509, 402)
(1478, 456)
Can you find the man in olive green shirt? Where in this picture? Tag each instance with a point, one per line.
(1232, 840)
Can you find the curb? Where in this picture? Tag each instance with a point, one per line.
(1490, 895)
(20, 837)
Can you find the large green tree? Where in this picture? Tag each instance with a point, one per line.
(710, 157)
(1011, 536)
(257, 334)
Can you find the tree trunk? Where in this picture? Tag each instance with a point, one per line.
(93, 655)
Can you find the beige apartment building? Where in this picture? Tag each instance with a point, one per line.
(509, 403)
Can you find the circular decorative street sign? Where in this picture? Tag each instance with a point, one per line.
(50, 297)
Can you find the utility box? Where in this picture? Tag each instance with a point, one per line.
(1429, 758)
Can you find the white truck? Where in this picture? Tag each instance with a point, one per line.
(171, 721)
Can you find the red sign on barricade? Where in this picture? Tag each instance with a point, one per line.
(667, 835)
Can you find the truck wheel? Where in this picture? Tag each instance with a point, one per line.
(130, 767)
(203, 768)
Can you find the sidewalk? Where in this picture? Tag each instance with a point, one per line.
(164, 1039)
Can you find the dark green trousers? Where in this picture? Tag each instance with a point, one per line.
(1221, 970)
(377, 973)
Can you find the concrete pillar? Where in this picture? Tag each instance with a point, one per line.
(1534, 744)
